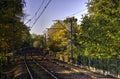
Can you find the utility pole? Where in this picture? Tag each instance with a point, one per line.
(71, 53)
(13, 42)
(13, 48)
(45, 40)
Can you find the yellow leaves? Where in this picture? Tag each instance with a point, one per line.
(108, 34)
(36, 44)
(60, 39)
(4, 45)
(59, 35)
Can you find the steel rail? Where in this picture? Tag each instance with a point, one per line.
(38, 64)
(31, 76)
(45, 69)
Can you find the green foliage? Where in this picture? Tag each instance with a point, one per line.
(12, 29)
(98, 36)
(36, 44)
(96, 41)
(101, 29)
(104, 64)
(59, 39)
(56, 37)
(11, 12)
(37, 41)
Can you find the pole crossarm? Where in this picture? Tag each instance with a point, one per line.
(54, 28)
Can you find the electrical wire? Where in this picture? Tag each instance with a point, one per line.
(36, 12)
(74, 13)
(59, 21)
(41, 13)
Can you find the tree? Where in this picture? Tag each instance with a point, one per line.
(37, 40)
(101, 29)
(11, 12)
(59, 39)
(36, 44)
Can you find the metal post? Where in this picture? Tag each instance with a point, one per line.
(71, 53)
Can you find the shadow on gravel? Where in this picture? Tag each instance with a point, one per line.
(15, 72)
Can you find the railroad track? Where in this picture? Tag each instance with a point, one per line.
(76, 70)
(93, 75)
(37, 71)
(62, 72)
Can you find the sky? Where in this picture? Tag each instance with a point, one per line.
(56, 10)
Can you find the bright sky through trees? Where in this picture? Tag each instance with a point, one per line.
(56, 10)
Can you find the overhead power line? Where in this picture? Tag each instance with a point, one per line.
(41, 13)
(74, 13)
(78, 12)
(36, 12)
